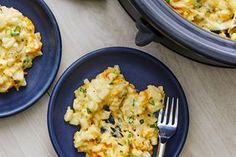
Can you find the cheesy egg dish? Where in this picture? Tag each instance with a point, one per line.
(218, 16)
(114, 119)
(19, 45)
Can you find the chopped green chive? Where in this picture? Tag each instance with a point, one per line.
(130, 135)
(16, 31)
(81, 89)
(168, 1)
(131, 119)
(27, 62)
(141, 121)
(133, 103)
(152, 102)
(89, 111)
(154, 126)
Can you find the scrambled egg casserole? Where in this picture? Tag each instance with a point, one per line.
(19, 45)
(115, 120)
(218, 16)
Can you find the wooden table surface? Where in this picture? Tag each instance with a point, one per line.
(87, 25)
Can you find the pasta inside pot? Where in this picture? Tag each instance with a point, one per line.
(217, 16)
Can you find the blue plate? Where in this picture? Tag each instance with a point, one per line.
(45, 68)
(138, 67)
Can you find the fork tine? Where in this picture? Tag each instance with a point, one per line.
(176, 112)
(171, 112)
(166, 110)
(160, 116)
(161, 112)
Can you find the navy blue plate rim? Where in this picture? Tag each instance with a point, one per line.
(51, 79)
(59, 83)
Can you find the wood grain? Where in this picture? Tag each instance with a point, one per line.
(87, 25)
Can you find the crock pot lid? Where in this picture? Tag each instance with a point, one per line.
(178, 29)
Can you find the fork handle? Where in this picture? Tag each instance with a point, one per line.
(161, 150)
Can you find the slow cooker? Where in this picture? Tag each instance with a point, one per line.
(157, 22)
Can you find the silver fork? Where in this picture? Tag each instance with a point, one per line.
(167, 126)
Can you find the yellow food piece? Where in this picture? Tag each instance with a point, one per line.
(115, 120)
(19, 45)
(218, 16)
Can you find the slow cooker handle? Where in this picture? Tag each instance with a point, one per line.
(145, 35)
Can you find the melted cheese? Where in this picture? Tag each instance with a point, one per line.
(218, 16)
(19, 45)
(115, 120)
